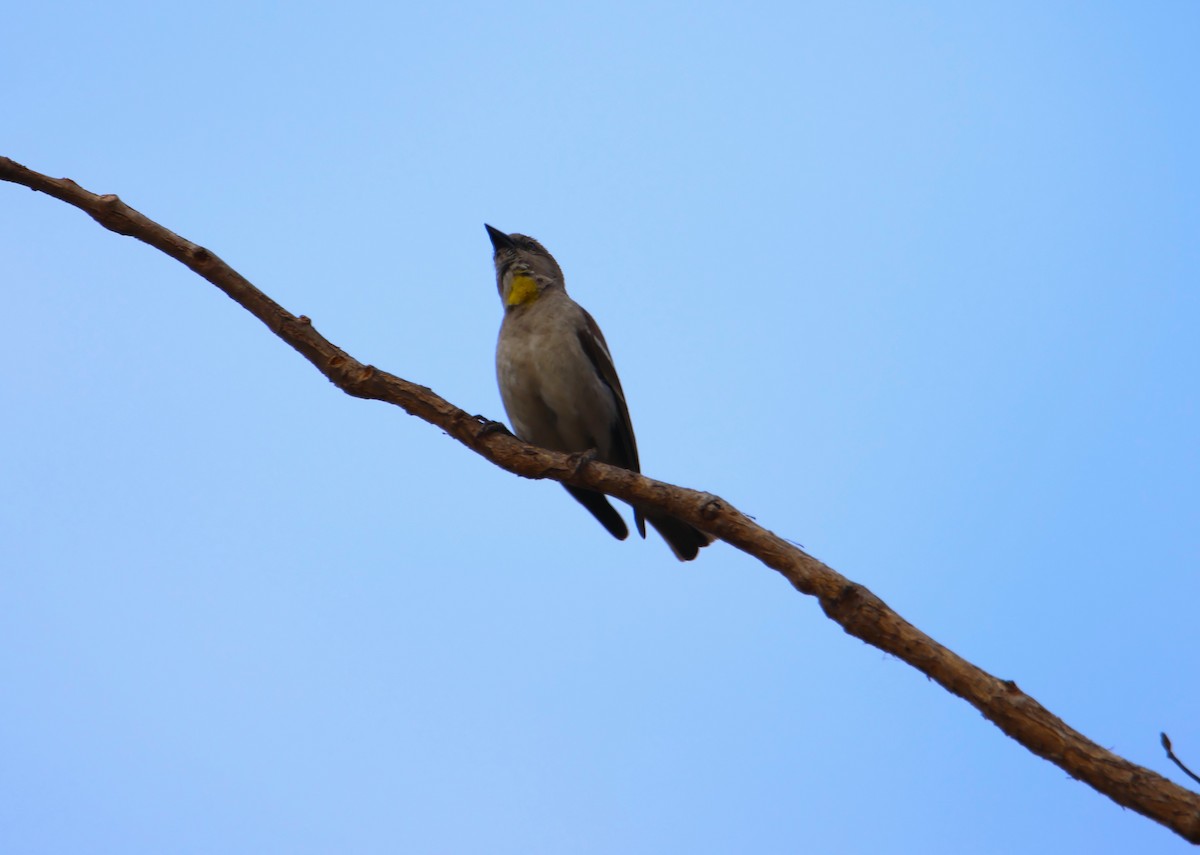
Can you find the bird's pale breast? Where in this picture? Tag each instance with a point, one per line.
(551, 391)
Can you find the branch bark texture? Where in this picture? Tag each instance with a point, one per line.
(860, 612)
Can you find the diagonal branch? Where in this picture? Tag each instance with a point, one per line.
(859, 612)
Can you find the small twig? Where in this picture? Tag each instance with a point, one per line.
(1166, 743)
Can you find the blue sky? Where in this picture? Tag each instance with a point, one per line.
(913, 284)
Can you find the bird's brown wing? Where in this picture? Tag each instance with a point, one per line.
(685, 541)
(624, 445)
(596, 348)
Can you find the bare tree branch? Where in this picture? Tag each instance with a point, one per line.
(856, 609)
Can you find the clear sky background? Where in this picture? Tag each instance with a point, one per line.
(915, 284)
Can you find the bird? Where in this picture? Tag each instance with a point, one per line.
(559, 386)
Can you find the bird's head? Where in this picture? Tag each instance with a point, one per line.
(524, 269)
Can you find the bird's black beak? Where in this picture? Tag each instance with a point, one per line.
(499, 239)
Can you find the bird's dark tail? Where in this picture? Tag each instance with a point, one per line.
(598, 504)
(684, 540)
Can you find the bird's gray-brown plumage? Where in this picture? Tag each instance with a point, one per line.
(558, 382)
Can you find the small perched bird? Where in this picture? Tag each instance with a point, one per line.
(558, 382)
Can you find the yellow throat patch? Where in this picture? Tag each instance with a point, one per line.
(523, 289)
